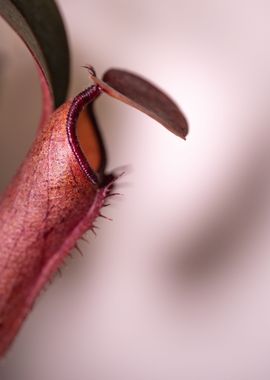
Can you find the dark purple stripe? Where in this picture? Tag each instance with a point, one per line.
(85, 97)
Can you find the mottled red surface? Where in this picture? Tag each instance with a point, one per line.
(46, 208)
(51, 201)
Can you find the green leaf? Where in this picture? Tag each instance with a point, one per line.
(40, 25)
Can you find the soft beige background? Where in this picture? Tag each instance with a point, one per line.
(177, 286)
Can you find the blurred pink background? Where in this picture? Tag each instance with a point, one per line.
(177, 286)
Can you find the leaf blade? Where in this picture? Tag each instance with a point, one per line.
(40, 26)
(146, 97)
